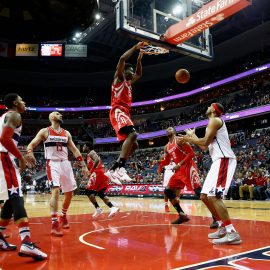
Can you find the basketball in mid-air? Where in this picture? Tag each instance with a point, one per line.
(182, 76)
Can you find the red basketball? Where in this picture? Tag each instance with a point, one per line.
(182, 76)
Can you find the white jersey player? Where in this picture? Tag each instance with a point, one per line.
(220, 175)
(57, 141)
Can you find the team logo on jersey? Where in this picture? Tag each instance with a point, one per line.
(120, 117)
(194, 177)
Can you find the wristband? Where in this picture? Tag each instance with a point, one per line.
(79, 158)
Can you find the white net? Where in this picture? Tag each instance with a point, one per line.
(153, 50)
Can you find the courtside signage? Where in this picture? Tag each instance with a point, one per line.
(26, 49)
(75, 50)
(207, 16)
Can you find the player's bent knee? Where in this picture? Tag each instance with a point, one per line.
(170, 194)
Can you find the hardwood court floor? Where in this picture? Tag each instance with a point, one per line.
(141, 237)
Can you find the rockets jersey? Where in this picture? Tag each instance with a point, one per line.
(121, 94)
(220, 147)
(16, 135)
(176, 152)
(55, 146)
(90, 164)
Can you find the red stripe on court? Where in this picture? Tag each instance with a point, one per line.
(48, 169)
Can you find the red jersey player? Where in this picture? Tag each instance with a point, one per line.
(121, 101)
(98, 181)
(185, 171)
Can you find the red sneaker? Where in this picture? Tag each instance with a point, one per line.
(64, 222)
(167, 209)
(56, 229)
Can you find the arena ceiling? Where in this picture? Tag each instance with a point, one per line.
(105, 45)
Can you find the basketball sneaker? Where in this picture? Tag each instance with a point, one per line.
(4, 245)
(181, 219)
(232, 238)
(64, 222)
(214, 225)
(29, 249)
(121, 173)
(114, 211)
(221, 232)
(56, 229)
(113, 178)
(167, 209)
(98, 212)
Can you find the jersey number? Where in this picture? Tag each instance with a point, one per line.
(58, 146)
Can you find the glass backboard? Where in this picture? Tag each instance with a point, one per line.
(148, 20)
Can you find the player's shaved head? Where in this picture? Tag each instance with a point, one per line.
(55, 116)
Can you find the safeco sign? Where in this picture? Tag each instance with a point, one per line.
(205, 17)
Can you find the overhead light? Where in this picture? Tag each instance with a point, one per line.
(177, 10)
(74, 39)
(97, 16)
(77, 35)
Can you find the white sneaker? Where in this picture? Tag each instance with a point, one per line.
(113, 178)
(98, 212)
(114, 211)
(232, 238)
(4, 245)
(121, 174)
(31, 250)
(221, 232)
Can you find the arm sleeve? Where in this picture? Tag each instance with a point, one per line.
(7, 142)
(164, 162)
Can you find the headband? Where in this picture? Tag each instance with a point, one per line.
(218, 111)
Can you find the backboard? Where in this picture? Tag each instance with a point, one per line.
(148, 20)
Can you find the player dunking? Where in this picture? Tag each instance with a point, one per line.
(219, 177)
(185, 171)
(98, 181)
(10, 179)
(121, 101)
(57, 141)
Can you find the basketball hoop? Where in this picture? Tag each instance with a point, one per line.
(153, 50)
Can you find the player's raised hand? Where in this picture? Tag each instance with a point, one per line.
(141, 44)
(190, 131)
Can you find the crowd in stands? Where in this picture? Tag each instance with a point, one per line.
(251, 181)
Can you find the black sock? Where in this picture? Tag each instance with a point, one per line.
(115, 166)
(110, 204)
(178, 208)
(122, 162)
(96, 205)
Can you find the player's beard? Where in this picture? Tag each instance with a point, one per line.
(59, 121)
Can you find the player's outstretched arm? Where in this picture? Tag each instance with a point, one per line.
(138, 72)
(77, 154)
(41, 136)
(119, 73)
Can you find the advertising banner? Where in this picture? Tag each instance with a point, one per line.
(139, 189)
(26, 49)
(75, 50)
